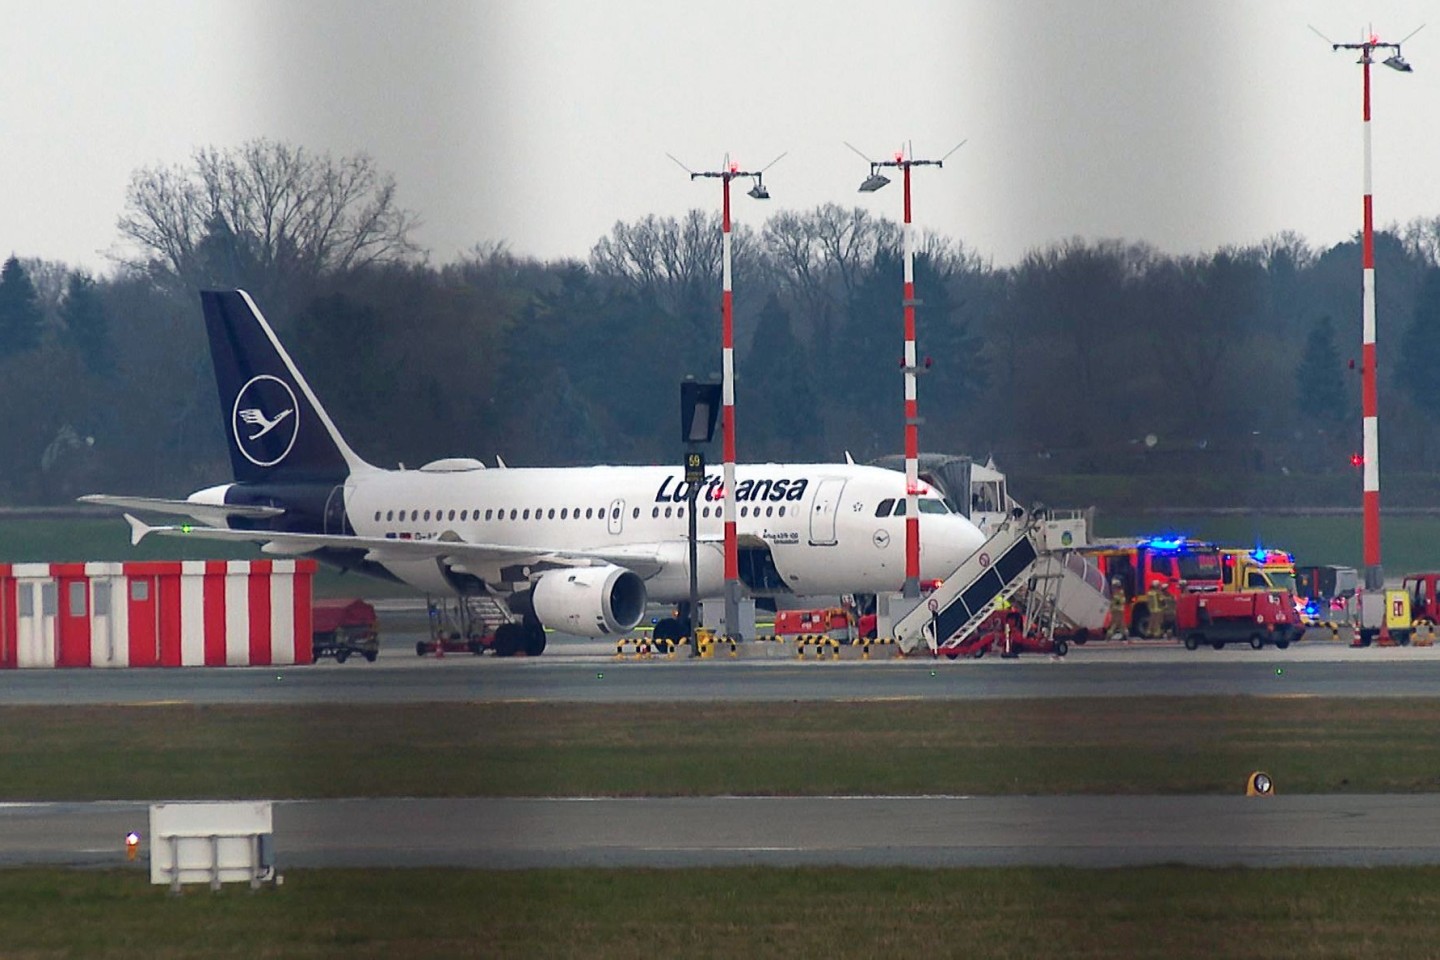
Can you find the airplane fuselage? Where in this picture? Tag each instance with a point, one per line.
(827, 528)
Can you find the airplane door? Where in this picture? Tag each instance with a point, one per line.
(616, 516)
(823, 511)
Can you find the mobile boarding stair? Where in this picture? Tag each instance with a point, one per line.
(1067, 595)
(1064, 590)
(989, 576)
(460, 624)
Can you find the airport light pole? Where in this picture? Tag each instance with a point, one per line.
(1370, 451)
(730, 171)
(874, 182)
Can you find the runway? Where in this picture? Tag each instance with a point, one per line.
(857, 831)
(587, 671)
(1084, 831)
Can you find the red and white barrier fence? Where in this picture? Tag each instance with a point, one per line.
(155, 614)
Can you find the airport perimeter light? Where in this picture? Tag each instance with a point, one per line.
(874, 182)
(1370, 458)
(728, 172)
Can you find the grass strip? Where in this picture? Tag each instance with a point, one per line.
(1161, 745)
(1169, 912)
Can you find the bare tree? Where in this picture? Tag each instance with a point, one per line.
(676, 263)
(264, 213)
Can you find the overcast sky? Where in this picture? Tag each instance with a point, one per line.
(540, 123)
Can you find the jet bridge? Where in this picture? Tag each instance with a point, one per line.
(1063, 590)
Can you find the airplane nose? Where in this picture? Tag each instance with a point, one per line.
(946, 544)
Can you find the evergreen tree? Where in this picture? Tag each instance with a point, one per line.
(1320, 384)
(783, 417)
(20, 316)
(86, 326)
(1420, 349)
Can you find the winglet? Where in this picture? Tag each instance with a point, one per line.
(138, 529)
(849, 459)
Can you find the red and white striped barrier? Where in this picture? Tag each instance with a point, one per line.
(188, 613)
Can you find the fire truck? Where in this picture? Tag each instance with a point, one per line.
(1257, 569)
(1149, 576)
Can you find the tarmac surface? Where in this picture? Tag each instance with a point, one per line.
(1084, 831)
(861, 831)
(588, 671)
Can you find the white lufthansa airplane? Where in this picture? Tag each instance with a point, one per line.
(577, 549)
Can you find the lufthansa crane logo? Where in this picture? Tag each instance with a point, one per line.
(265, 420)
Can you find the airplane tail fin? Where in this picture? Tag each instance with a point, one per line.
(274, 424)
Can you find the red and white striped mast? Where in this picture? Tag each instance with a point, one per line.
(727, 380)
(1369, 404)
(909, 364)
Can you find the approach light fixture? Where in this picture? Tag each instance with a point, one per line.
(1398, 62)
(758, 191)
(874, 182)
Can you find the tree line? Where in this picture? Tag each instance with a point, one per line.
(1085, 357)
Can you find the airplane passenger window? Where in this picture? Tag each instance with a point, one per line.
(654, 513)
(514, 513)
(886, 505)
(489, 513)
(526, 514)
(615, 514)
(551, 514)
(769, 511)
(389, 515)
(452, 514)
(564, 513)
(377, 516)
(667, 513)
(782, 509)
(427, 514)
(705, 512)
(589, 512)
(464, 514)
(635, 514)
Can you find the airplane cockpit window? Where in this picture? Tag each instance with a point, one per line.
(933, 506)
(886, 505)
(899, 508)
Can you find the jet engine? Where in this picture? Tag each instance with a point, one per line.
(589, 601)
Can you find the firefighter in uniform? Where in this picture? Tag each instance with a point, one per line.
(1117, 609)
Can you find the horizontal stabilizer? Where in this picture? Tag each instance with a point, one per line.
(215, 514)
(138, 529)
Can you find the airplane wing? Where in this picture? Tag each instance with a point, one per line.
(214, 514)
(455, 553)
